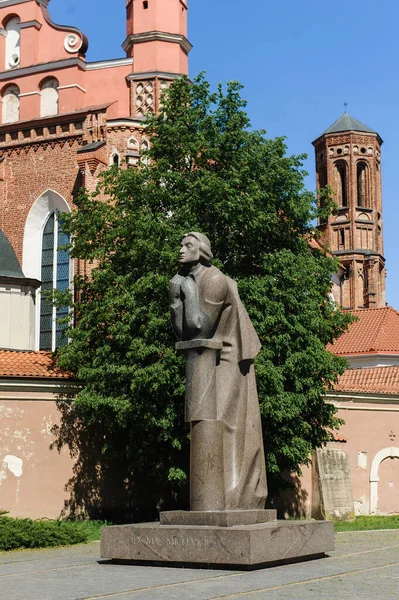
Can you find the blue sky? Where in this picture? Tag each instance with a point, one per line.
(299, 61)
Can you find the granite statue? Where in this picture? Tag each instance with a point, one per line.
(227, 524)
(219, 342)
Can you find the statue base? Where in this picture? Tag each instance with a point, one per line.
(217, 518)
(245, 546)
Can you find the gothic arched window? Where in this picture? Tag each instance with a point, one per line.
(132, 143)
(322, 176)
(115, 159)
(55, 274)
(322, 182)
(13, 42)
(362, 184)
(340, 176)
(11, 104)
(49, 97)
(145, 146)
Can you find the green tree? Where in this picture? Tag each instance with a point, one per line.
(206, 170)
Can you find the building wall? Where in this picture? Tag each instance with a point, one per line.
(17, 310)
(33, 474)
(49, 50)
(372, 433)
(40, 166)
(370, 438)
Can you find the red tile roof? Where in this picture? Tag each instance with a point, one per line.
(376, 332)
(15, 363)
(369, 380)
(338, 437)
(315, 244)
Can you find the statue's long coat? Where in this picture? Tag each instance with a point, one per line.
(224, 319)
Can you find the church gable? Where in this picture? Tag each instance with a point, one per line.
(30, 37)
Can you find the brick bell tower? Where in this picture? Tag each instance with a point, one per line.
(348, 159)
(156, 39)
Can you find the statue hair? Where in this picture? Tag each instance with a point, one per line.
(205, 251)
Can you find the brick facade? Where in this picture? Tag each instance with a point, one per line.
(100, 107)
(350, 163)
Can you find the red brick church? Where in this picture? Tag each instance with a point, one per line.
(62, 121)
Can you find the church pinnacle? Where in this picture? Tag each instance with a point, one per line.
(156, 39)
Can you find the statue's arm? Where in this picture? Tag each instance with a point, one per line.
(201, 323)
(176, 306)
(215, 293)
(193, 317)
(177, 319)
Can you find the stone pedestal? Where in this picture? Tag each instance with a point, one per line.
(219, 518)
(238, 546)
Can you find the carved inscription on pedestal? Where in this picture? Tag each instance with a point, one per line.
(177, 541)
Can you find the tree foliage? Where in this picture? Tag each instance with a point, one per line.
(208, 171)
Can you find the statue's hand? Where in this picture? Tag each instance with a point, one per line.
(188, 287)
(175, 287)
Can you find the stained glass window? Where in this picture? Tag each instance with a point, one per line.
(55, 273)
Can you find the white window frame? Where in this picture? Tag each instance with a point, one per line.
(49, 202)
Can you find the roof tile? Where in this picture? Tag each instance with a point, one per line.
(379, 380)
(17, 363)
(348, 123)
(375, 332)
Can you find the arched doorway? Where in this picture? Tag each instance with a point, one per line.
(389, 473)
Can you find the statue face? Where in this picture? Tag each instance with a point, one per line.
(189, 250)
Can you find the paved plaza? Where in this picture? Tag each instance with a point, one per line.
(364, 566)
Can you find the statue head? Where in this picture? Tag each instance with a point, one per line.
(195, 247)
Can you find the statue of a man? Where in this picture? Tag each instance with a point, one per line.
(205, 305)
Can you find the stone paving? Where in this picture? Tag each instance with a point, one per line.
(364, 566)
